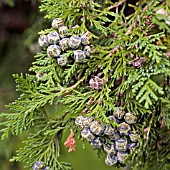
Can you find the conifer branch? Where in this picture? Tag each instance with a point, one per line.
(127, 73)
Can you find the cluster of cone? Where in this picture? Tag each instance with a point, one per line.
(58, 42)
(117, 141)
(38, 165)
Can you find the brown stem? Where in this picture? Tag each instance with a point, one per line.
(146, 7)
(116, 5)
(129, 29)
(113, 51)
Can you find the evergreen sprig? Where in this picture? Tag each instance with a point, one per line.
(131, 58)
(42, 144)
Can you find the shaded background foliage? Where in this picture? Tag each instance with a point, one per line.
(15, 57)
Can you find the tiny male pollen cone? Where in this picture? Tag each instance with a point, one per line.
(70, 142)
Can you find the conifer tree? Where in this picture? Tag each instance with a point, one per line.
(105, 65)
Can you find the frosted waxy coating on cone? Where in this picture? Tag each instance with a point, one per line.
(115, 136)
(86, 38)
(38, 165)
(124, 128)
(96, 143)
(121, 156)
(64, 44)
(43, 41)
(78, 121)
(53, 37)
(97, 128)
(130, 118)
(87, 121)
(119, 113)
(89, 49)
(62, 61)
(79, 56)
(53, 51)
(109, 130)
(74, 42)
(113, 119)
(131, 147)
(109, 148)
(111, 160)
(133, 136)
(63, 31)
(57, 23)
(114, 144)
(121, 144)
(87, 135)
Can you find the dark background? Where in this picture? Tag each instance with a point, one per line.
(15, 57)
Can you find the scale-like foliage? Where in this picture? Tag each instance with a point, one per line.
(131, 58)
